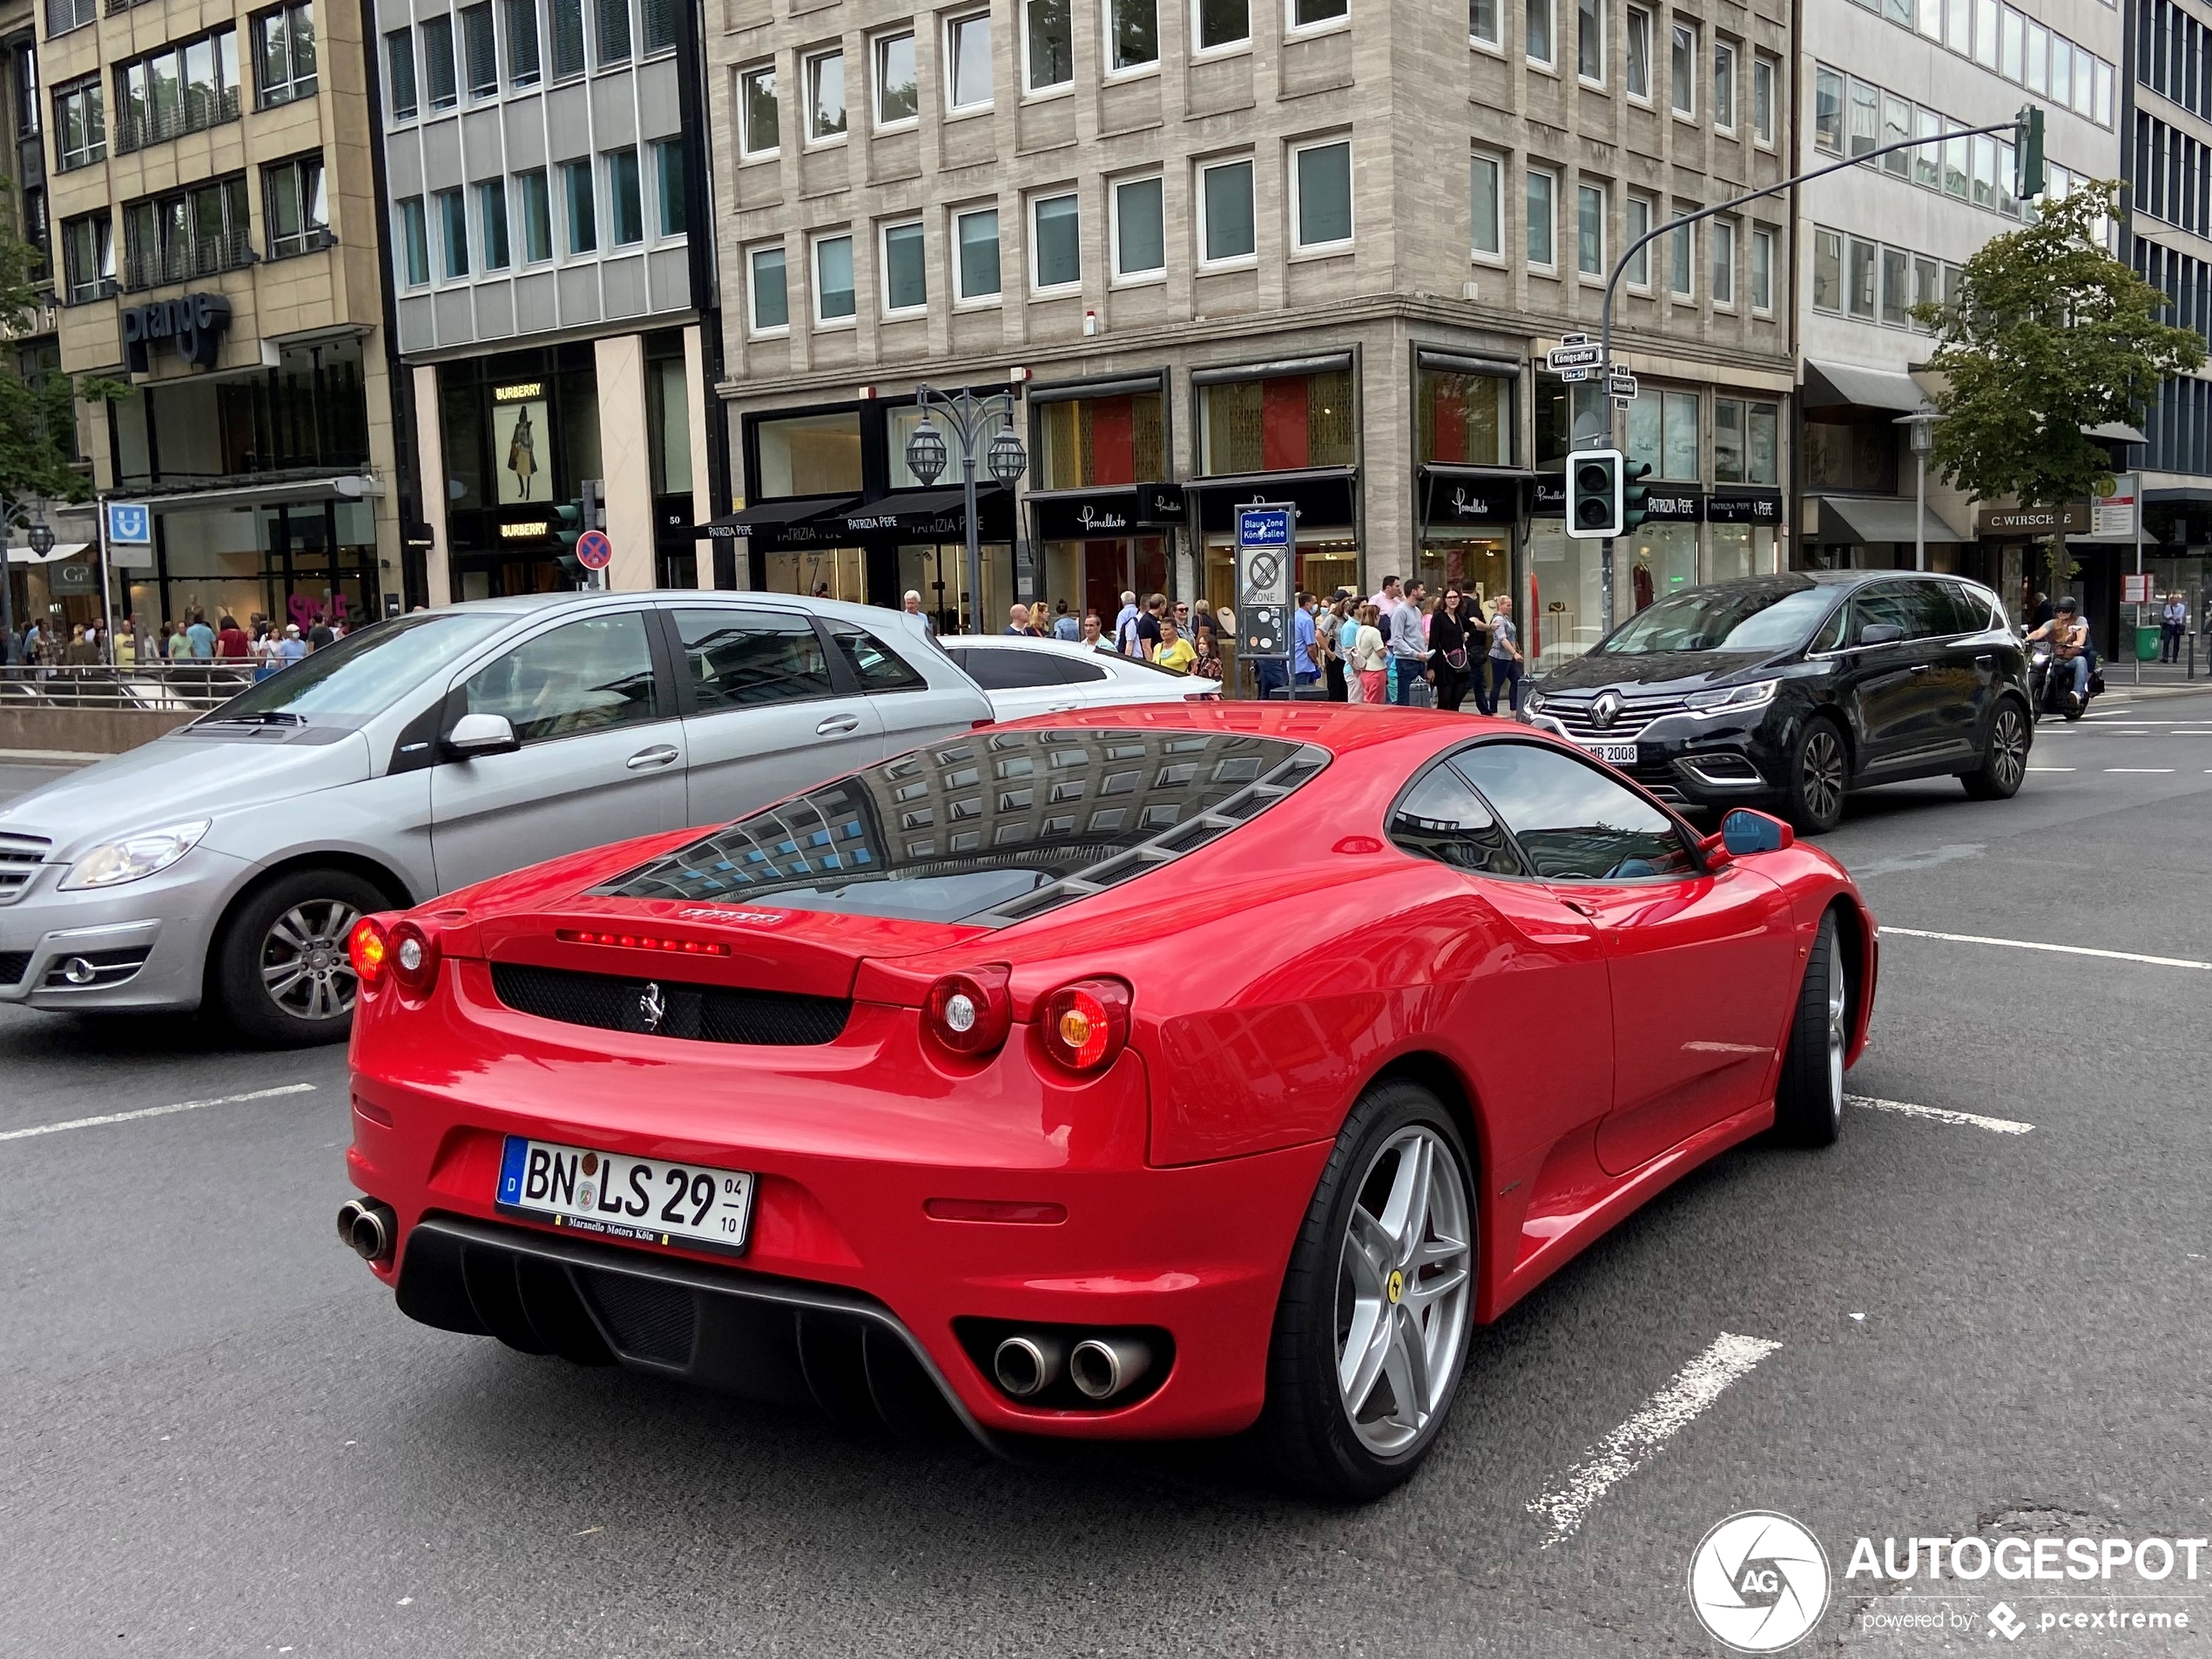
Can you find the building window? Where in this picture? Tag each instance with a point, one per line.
(824, 97)
(1056, 240)
(1865, 117)
(182, 88)
(1662, 430)
(614, 31)
(1140, 230)
(1639, 75)
(1897, 127)
(1681, 244)
(61, 16)
(897, 103)
(1536, 33)
(968, 63)
(1315, 13)
(1745, 448)
(1927, 158)
(1683, 79)
(480, 51)
(834, 300)
(582, 205)
(1280, 424)
(1227, 232)
(1048, 44)
(1543, 219)
(1589, 40)
(398, 73)
(298, 216)
(491, 222)
(1827, 270)
(284, 54)
(1321, 196)
(1485, 205)
(669, 186)
(1761, 270)
(568, 38)
(1640, 210)
(40, 268)
(975, 253)
(26, 68)
(522, 42)
(1827, 110)
(1723, 262)
(1723, 85)
(906, 270)
(1860, 297)
(758, 133)
(1088, 442)
(808, 454)
(188, 233)
(770, 308)
(437, 63)
(1590, 230)
(1763, 78)
(88, 257)
(660, 25)
(1221, 25)
(453, 232)
(80, 124)
(537, 216)
(1464, 420)
(1897, 297)
(1132, 35)
(625, 199)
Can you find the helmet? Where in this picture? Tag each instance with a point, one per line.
(2067, 602)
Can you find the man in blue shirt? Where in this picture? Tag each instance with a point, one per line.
(202, 637)
(1305, 666)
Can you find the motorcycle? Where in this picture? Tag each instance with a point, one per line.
(2053, 693)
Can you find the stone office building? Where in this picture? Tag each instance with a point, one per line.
(1224, 250)
(216, 240)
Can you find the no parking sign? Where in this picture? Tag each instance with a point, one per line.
(593, 550)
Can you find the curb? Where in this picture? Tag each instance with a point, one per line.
(49, 758)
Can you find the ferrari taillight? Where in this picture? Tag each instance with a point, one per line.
(970, 1014)
(1086, 1024)
(370, 951)
(412, 956)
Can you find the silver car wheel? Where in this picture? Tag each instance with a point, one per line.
(306, 967)
(1403, 1291)
(1839, 1023)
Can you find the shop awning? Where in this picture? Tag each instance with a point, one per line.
(2114, 432)
(772, 514)
(1868, 519)
(919, 511)
(345, 486)
(1455, 493)
(1323, 495)
(1830, 385)
(60, 551)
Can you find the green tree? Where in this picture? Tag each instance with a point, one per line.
(2048, 334)
(37, 412)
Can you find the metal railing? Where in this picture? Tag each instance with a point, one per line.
(188, 687)
(195, 113)
(183, 261)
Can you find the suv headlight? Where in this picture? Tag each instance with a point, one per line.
(1733, 699)
(1535, 702)
(135, 857)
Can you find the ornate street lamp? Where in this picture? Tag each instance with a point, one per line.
(972, 419)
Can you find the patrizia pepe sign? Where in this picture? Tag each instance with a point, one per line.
(193, 326)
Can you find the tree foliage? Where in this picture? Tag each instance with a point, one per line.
(2048, 334)
(37, 412)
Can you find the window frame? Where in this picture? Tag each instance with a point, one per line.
(504, 239)
(1628, 56)
(1117, 277)
(1201, 220)
(1585, 187)
(1723, 236)
(961, 299)
(296, 85)
(1763, 236)
(883, 232)
(471, 92)
(755, 329)
(879, 45)
(534, 191)
(1599, 7)
(1293, 30)
(1635, 203)
(1496, 162)
(809, 79)
(954, 110)
(396, 40)
(816, 242)
(1202, 53)
(586, 168)
(314, 234)
(1551, 176)
(1686, 234)
(1301, 249)
(1494, 42)
(747, 74)
(1725, 51)
(1766, 70)
(1108, 74)
(613, 160)
(661, 150)
(451, 203)
(1679, 28)
(414, 237)
(1549, 64)
(1030, 87)
(432, 29)
(1685, 837)
(1038, 288)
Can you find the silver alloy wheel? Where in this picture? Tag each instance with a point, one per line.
(306, 967)
(1838, 1024)
(1822, 771)
(1404, 1290)
(2007, 749)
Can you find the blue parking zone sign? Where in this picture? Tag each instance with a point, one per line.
(1263, 527)
(128, 524)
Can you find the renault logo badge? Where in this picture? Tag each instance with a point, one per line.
(1606, 710)
(652, 1008)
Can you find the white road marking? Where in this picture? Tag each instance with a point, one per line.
(2050, 768)
(1971, 1120)
(2037, 944)
(2141, 770)
(1567, 1502)
(154, 1111)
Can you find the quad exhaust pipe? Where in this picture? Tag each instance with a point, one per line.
(1026, 1366)
(368, 1228)
(1028, 1363)
(1104, 1367)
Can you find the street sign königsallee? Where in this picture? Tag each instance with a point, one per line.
(1266, 574)
(1560, 357)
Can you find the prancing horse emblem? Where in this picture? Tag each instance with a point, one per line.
(652, 1008)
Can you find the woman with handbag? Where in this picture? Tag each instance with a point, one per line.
(1370, 661)
(1447, 643)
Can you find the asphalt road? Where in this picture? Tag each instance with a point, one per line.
(218, 1437)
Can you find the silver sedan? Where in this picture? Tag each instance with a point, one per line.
(226, 863)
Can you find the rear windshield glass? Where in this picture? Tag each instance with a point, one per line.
(1750, 616)
(990, 828)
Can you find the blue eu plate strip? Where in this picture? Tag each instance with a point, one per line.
(511, 1164)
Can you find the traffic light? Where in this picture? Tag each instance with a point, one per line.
(1632, 492)
(2028, 153)
(1593, 478)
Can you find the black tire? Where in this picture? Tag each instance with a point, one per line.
(1808, 1104)
(1307, 1433)
(2004, 759)
(1819, 773)
(2074, 711)
(258, 936)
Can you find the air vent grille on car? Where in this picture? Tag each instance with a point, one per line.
(703, 1012)
(13, 965)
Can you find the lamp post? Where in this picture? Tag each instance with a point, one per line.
(971, 419)
(1922, 428)
(40, 535)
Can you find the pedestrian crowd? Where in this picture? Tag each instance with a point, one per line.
(260, 642)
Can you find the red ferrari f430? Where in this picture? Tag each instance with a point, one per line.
(1159, 1072)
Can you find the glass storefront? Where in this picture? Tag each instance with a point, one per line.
(1278, 424)
(1093, 574)
(1734, 550)
(520, 432)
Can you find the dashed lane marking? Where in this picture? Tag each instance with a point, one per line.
(2037, 944)
(1567, 1502)
(154, 1111)
(2145, 771)
(2050, 768)
(1940, 1115)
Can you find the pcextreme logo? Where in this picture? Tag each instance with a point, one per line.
(1759, 1581)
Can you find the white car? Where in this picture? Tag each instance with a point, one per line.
(1023, 676)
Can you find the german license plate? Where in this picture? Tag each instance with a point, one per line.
(643, 1201)
(1614, 754)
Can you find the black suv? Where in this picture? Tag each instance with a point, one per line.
(1787, 691)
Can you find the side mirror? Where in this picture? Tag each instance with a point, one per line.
(1745, 831)
(481, 734)
(1880, 633)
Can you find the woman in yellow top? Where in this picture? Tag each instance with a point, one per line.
(1173, 651)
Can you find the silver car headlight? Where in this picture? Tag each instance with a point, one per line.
(1734, 700)
(135, 857)
(1535, 702)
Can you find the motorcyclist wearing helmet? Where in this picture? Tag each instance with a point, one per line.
(2069, 638)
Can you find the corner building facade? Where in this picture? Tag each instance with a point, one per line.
(1309, 251)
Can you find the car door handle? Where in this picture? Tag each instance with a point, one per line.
(660, 754)
(1919, 668)
(1988, 659)
(836, 723)
(1578, 907)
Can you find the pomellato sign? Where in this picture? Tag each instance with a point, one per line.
(193, 326)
